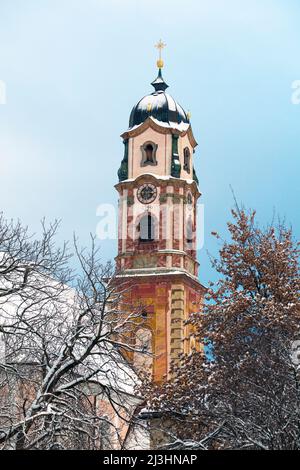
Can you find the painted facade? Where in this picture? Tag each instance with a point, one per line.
(158, 193)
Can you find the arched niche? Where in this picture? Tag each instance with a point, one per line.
(143, 354)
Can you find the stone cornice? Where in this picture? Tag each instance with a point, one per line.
(130, 274)
(161, 129)
(163, 181)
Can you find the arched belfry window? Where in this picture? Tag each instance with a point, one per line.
(187, 160)
(149, 153)
(146, 228)
(189, 231)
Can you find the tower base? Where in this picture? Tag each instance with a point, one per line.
(167, 300)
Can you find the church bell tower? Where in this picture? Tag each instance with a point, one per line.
(158, 192)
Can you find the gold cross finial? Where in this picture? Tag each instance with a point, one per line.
(160, 45)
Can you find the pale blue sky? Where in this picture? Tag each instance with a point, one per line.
(74, 68)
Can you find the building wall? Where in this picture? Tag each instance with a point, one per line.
(168, 301)
(163, 153)
(184, 142)
(170, 248)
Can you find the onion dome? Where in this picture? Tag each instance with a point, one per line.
(160, 106)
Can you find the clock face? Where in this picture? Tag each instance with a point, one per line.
(147, 193)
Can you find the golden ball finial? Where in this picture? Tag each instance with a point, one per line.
(160, 63)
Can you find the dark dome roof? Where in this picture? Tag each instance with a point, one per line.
(160, 106)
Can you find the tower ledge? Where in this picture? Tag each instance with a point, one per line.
(181, 129)
(161, 179)
(162, 274)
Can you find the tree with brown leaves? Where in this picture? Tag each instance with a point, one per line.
(244, 391)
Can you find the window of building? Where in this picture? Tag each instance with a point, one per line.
(189, 231)
(187, 160)
(149, 153)
(146, 228)
(143, 355)
(189, 199)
